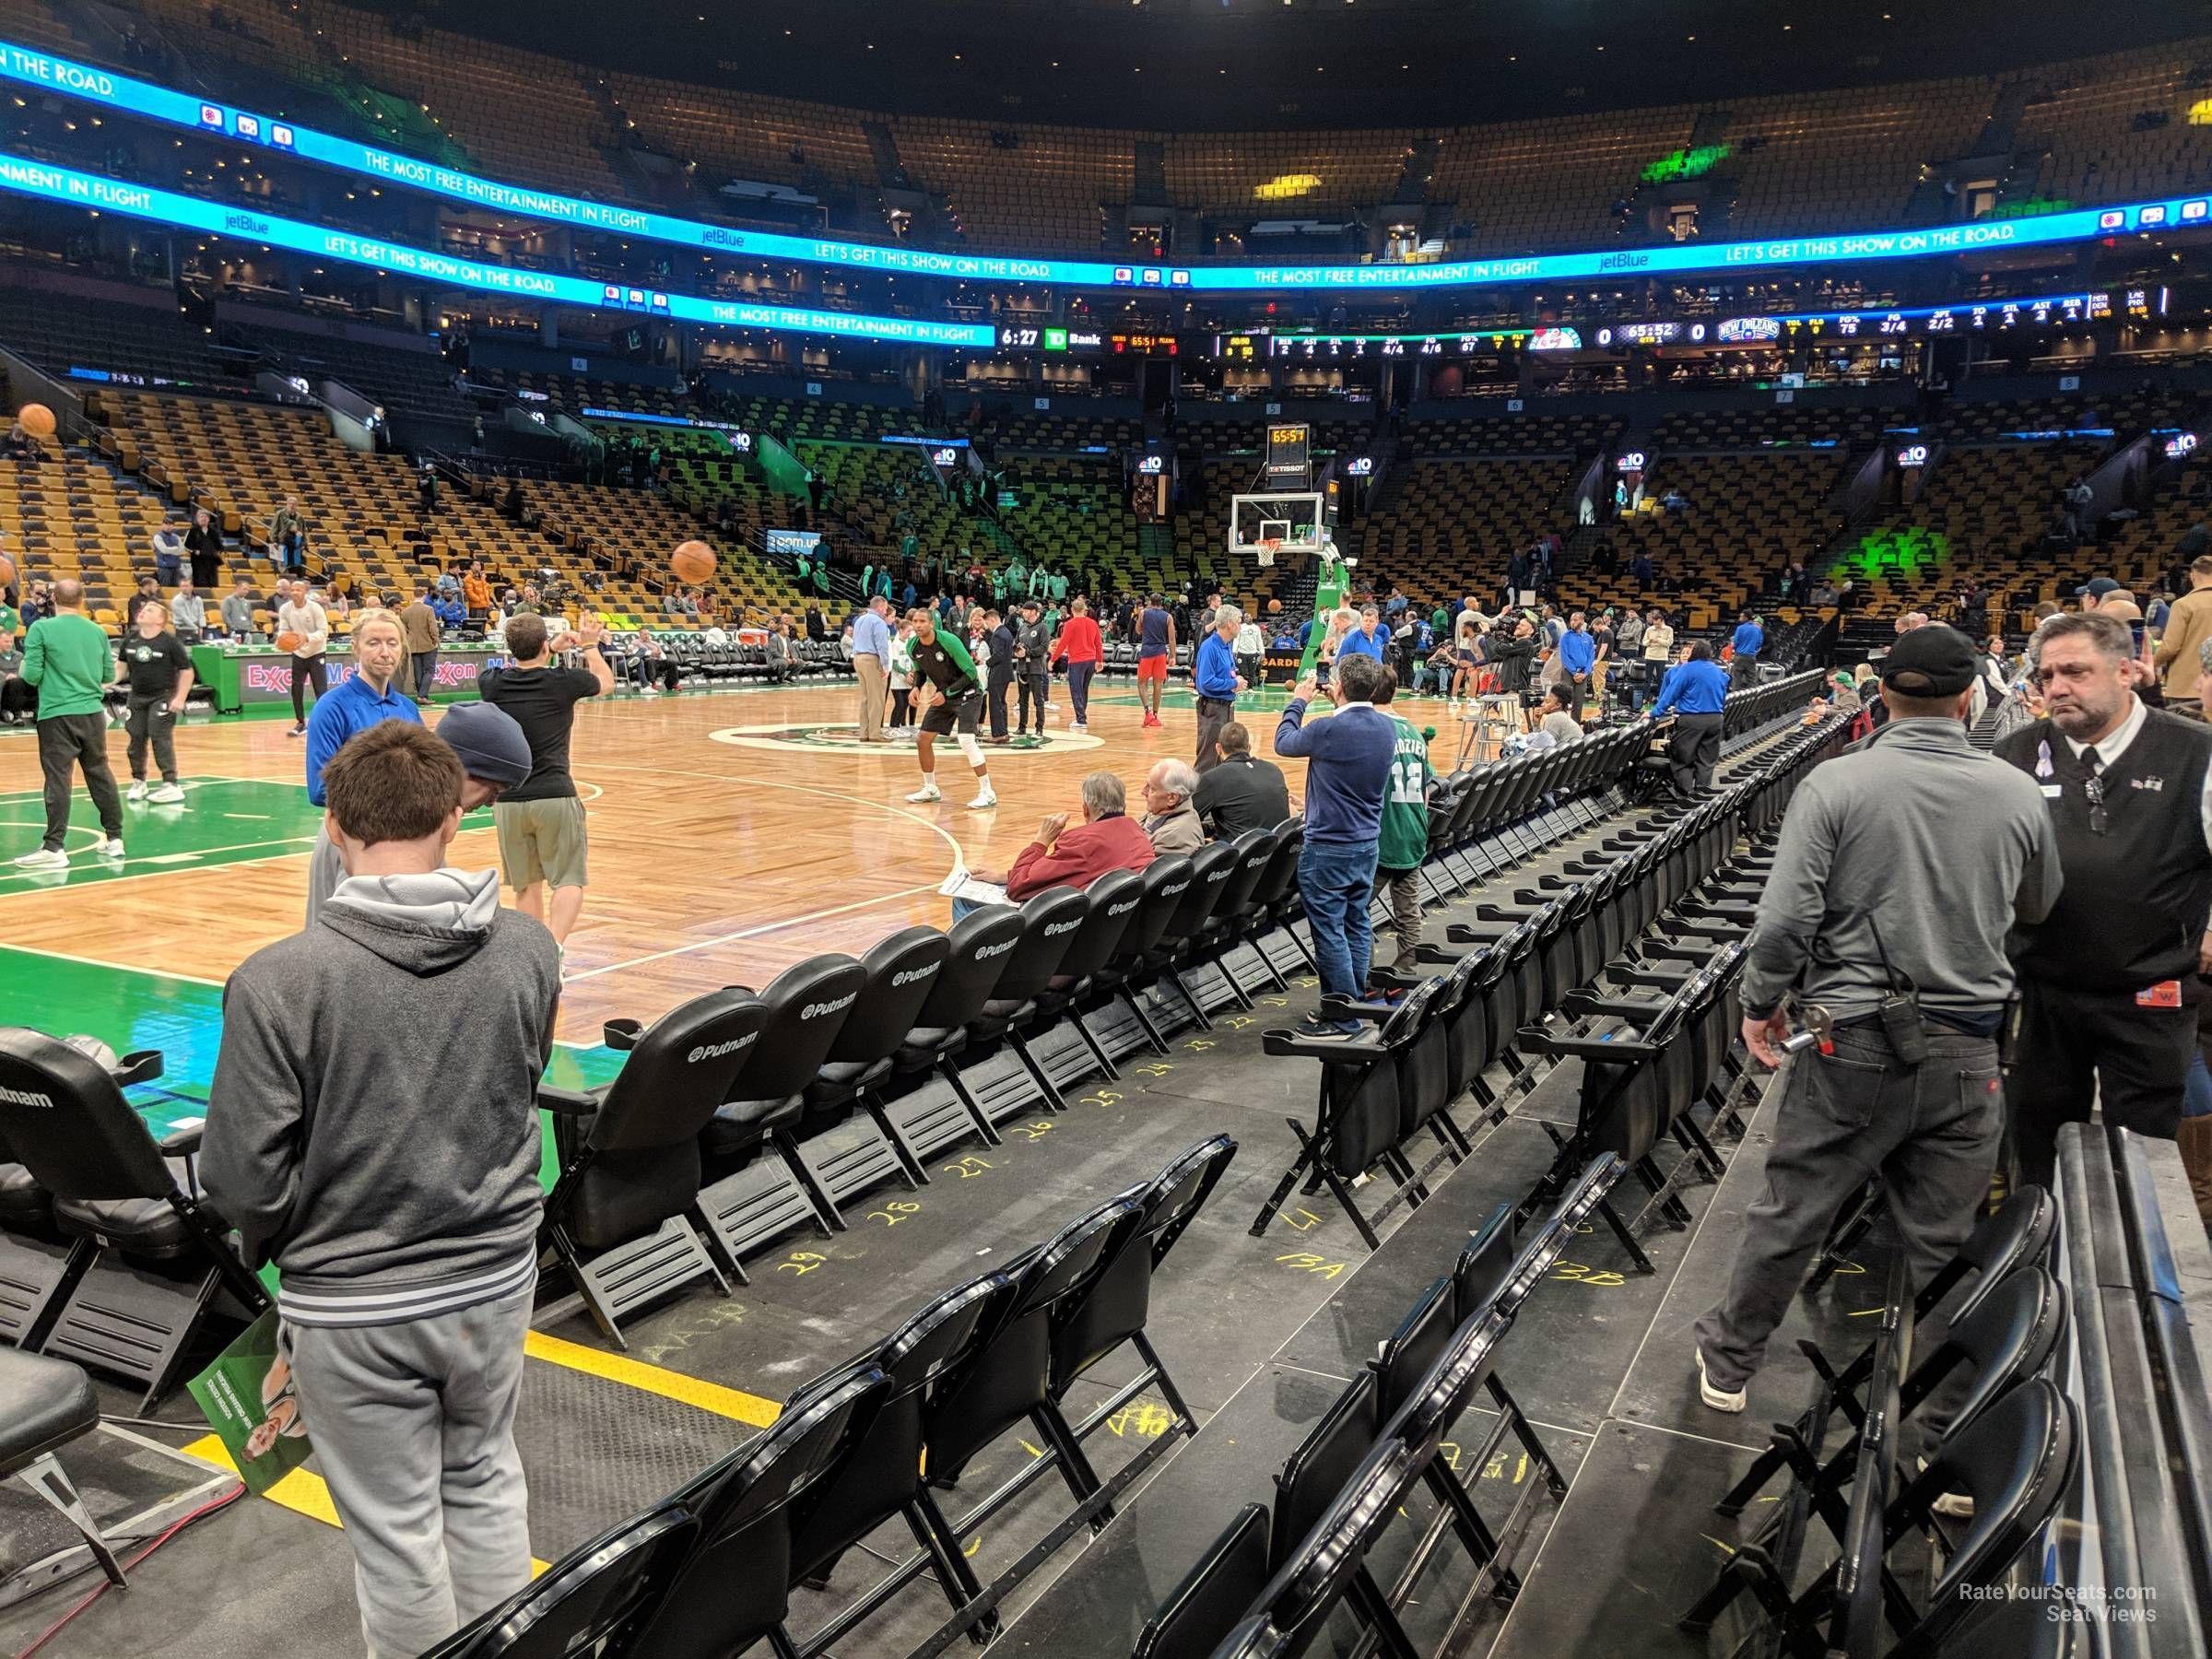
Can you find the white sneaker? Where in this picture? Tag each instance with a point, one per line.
(1719, 1399)
(113, 849)
(43, 860)
(137, 791)
(988, 798)
(928, 791)
(1079, 726)
(167, 795)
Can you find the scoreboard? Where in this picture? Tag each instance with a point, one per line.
(1301, 345)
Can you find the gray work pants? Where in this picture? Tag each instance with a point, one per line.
(1214, 712)
(1405, 888)
(413, 1427)
(1931, 1133)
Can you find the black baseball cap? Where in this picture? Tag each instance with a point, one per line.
(1932, 661)
(2097, 589)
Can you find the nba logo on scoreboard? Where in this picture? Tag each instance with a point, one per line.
(2193, 211)
(1179, 280)
(280, 134)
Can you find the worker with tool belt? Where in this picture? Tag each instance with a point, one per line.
(1903, 864)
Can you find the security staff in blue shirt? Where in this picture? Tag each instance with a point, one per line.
(1367, 639)
(1216, 682)
(1745, 643)
(1578, 651)
(1694, 693)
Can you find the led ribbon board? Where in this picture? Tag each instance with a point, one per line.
(128, 96)
(166, 208)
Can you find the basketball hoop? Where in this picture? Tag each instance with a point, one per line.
(1268, 549)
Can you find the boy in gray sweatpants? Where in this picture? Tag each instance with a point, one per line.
(372, 1129)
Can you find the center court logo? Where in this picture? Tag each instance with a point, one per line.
(711, 1051)
(845, 738)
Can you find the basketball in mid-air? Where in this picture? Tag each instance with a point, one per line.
(1274, 605)
(692, 562)
(287, 641)
(7, 572)
(37, 419)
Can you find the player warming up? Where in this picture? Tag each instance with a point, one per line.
(950, 699)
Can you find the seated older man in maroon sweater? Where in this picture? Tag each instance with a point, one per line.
(1077, 856)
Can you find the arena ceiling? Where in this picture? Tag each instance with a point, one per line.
(1189, 64)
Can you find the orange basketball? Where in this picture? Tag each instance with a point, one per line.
(287, 641)
(1274, 607)
(7, 572)
(37, 419)
(691, 563)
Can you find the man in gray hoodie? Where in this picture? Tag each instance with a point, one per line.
(372, 1129)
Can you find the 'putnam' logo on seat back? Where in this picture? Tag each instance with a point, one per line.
(911, 974)
(713, 1051)
(814, 1010)
(16, 1096)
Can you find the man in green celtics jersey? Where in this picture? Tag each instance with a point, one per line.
(1404, 843)
(949, 697)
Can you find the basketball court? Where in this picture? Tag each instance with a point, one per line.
(733, 833)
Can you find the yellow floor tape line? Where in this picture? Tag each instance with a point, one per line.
(303, 1492)
(732, 1403)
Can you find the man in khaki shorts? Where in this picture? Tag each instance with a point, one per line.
(540, 821)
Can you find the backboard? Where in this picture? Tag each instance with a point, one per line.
(1292, 519)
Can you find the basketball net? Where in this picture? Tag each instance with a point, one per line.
(1267, 550)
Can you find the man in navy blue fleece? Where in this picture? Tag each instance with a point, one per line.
(1745, 645)
(1694, 693)
(1216, 681)
(1351, 756)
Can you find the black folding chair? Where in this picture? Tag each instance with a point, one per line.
(628, 1157)
(115, 1189)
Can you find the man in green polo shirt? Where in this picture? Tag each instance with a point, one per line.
(69, 659)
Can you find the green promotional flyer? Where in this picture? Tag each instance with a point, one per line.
(248, 1398)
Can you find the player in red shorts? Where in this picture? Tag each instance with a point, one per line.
(1155, 651)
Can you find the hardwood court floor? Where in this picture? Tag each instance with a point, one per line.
(732, 833)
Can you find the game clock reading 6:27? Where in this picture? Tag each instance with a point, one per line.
(1016, 338)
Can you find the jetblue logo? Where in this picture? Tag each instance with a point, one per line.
(714, 1051)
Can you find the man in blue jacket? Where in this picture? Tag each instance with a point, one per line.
(1694, 693)
(1578, 650)
(1350, 756)
(1743, 668)
(1216, 682)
